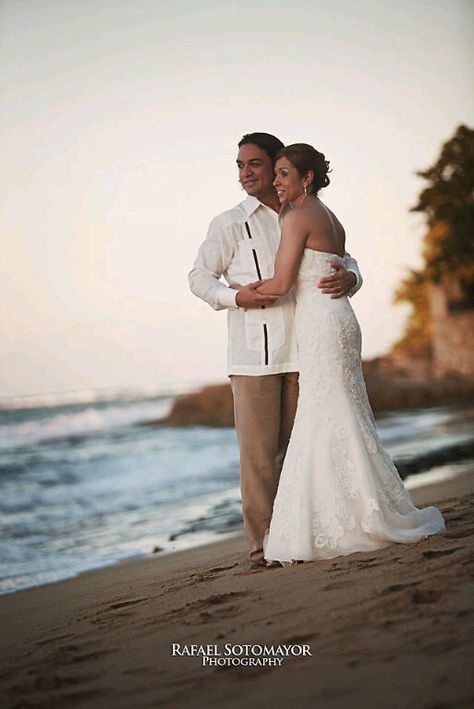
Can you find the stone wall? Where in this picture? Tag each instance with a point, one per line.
(453, 330)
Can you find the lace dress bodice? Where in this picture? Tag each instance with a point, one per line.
(315, 264)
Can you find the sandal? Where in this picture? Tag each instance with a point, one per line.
(264, 564)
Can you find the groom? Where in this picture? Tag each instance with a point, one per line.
(241, 245)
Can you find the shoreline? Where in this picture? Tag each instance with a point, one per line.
(389, 627)
(237, 530)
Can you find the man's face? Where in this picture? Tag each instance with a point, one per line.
(255, 171)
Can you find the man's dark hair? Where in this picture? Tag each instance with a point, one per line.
(266, 142)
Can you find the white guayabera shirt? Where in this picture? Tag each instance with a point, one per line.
(241, 246)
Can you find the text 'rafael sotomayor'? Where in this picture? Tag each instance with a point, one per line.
(245, 655)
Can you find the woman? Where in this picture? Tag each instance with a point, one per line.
(339, 491)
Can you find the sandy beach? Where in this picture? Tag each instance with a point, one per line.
(391, 628)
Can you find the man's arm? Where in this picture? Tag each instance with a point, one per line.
(345, 281)
(214, 257)
(353, 267)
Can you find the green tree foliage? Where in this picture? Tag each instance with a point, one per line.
(448, 246)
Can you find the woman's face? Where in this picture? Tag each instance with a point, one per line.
(288, 182)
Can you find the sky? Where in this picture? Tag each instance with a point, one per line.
(119, 124)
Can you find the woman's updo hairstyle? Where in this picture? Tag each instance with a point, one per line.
(304, 157)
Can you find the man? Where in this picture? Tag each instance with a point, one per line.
(241, 245)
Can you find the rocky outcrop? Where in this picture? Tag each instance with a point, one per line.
(394, 384)
(391, 385)
(211, 406)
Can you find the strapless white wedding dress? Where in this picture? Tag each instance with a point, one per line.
(339, 491)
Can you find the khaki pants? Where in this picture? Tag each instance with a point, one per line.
(264, 408)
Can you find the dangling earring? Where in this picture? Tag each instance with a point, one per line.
(305, 190)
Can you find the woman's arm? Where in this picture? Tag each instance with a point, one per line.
(294, 233)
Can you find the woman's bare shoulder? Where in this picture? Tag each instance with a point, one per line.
(314, 211)
(296, 223)
(293, 217)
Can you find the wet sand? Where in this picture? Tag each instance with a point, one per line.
(391, 628)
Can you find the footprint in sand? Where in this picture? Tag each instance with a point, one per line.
(129, 602)
(297, 639)
(87, 656)
(210, 609)
(207, 617)
(335, 585)
(78, 652)
(426, 596)
(366, 565)
(434, 553)
(52, 639)
(119, 609)
(222, 568)
(460, 533)
(210, 613)
(399, 587)
(95, 695)
(201, 577)
(46, 680)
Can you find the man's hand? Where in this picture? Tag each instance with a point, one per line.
(340, 283)
(248, 297)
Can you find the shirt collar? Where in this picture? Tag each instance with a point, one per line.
(251, 204)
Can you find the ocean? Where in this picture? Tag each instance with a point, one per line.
(87, 479)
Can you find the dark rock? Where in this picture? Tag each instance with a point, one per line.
(212, 406)
(392, 384)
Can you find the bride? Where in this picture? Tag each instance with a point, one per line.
(339, 491)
